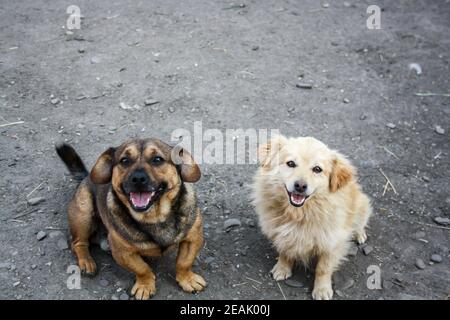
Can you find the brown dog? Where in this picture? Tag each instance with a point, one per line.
(146, 202)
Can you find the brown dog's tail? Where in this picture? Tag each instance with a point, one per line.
(72, 161)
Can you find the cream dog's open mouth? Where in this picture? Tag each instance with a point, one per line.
(296, 199)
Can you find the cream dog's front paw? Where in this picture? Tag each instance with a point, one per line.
(281, 271)
(322, 292)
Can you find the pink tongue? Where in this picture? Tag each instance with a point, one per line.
(297, 198)
(140, 199)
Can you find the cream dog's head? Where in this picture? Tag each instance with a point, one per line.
(304, 167)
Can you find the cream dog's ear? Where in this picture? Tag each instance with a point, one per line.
(342, 172)
(268, 151)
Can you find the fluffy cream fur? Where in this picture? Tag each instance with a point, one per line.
(335, 211)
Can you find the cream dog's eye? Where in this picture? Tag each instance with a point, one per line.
(317, 169)
(291, 164)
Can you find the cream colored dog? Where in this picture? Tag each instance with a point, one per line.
(309, 205)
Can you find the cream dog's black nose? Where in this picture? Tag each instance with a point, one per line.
(300, 186)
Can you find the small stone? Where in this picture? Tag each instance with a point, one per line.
(150, 101)
(347, 284)
(367, 250)
(229, 223)
(251, 223)
(104, 282)
(390, 125)
(62, 244)
(81, 50)
(439, 130)
(387, 284)
(41, 235)
(325, 5)
(436, 258)
(346, 100)
(363, 117)
(55, 234)
(95, 60)
(55, 101)
(15, 284)
(104, 245)
(420, 264)
(426, 179)
(293, 283)
(124, 296)
(33, 266)
(442, 221)
(171, 109)
(304, 85)
(209, 260)
(353, 251)
(419, 235)
(35, 201)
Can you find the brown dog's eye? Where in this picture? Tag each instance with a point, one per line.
(125, 161)
(291, 164)
(157, 160)
(317, 169)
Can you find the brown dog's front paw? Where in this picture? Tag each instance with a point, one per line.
(191, 282)
(87, 266)
(144, 290)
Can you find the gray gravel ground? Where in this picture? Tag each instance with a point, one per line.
(230, 67)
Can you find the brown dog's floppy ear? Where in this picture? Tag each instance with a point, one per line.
(102, 171)
(341, 173)
(189, 170)
(267, 151)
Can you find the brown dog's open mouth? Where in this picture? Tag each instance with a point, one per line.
(141, 200)
(297, 200)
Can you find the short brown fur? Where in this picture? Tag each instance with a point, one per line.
(174, 220)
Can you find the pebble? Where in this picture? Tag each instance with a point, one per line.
(390, 125)
(104, 245)
(95, 60)
(442, 221)
(229, 223)
(436, 258)
(353, 251)
(81, 50)
(171, 109)
(209, 260)
(439, 130)
(55, 101)
(104, 282)
(55, 234)
(325, 5)
(304, 85)
(150, 101)
(293, 283)
(35, 201)
(347, 284)
(41, 235)
(33, 266)
(124, 296)
(346, 100)
(420, 264)
(62, 244)
(367, 249)
(363, 117)
(387, 284)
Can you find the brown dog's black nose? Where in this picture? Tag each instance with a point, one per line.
(139, 177)
(300, 186)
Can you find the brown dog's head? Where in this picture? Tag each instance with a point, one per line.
(143, 171)
(304, 167)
